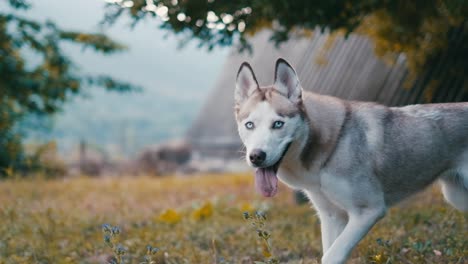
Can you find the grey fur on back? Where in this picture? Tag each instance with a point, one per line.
(409, 147)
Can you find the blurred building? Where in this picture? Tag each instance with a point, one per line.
(346, 68)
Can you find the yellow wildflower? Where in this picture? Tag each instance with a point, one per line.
(378, 258)
(247, 207)
(266, 251)
(203, 212)
(170, 216)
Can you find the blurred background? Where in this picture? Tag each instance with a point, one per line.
(143, 88)
(122, 87)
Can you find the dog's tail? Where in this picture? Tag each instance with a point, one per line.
(455, 189)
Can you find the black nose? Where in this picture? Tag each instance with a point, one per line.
(257, 157)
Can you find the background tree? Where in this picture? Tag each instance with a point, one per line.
(38, 84)
(421, 29)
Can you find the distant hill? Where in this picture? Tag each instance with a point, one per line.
(121, 122)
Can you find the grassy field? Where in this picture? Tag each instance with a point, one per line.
(200, 220)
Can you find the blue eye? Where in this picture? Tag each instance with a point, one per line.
(249, 125)
(277, 124)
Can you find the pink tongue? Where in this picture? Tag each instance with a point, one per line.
(266, 181)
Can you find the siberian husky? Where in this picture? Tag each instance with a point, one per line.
(352, 159)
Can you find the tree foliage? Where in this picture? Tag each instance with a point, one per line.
(421, 29)
(41, 81)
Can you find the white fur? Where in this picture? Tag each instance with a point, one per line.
(262, 137)
(416, 111)
(246, 83)
(286, 82)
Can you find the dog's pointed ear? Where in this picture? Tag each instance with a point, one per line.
(246, 83)
(287, 82)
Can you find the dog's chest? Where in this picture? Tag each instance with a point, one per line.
(297, 177)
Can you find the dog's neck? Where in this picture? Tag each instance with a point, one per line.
(315, 141)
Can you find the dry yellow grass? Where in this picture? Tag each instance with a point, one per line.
(199, 220)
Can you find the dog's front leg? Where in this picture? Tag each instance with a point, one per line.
(332, 219)
(360, 222)
(332, 224)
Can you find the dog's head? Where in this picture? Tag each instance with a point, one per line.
(268, 117)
